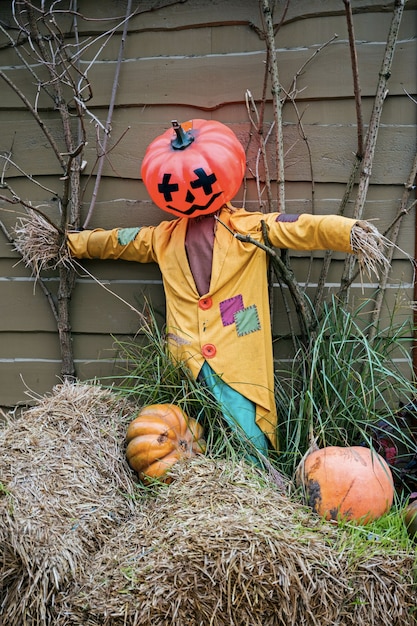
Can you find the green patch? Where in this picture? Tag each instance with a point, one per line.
(247, 320)
(127, 235)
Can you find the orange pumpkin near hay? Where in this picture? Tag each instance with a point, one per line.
(353, 483)
(158, 437)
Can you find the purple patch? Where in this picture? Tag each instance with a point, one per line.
(287, 217)
(229, 307)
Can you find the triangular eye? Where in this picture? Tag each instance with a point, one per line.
(189, 197)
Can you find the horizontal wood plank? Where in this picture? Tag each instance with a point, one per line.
(233, 74)
(115, 306)
(331, 146)
(382, 204)
(24, 346)
(31, 366)
(173, 15)
(185, 60)
(22, 382)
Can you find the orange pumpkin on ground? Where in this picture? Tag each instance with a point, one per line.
(354, 483)
(159, 436)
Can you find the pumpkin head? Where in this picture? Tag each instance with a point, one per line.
(354, 483)
(159, 436)
(194, 168)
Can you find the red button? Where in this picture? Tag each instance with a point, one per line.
(205, 303)
(208, 350)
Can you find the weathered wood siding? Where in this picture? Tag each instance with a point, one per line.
(183, 60)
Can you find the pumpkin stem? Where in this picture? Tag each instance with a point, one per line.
(182, 139)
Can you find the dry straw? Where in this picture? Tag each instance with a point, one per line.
(369, 247)
(220, 545)
(64, 490)
(40, 243)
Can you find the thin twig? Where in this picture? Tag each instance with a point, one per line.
(109, 114)
(319, 297)
(258, 127)
(83, 269)
(6, 232)
(355, 73)
(372, 134)
(4, 185)
(277, 104)
(37, 117)
(285, 276)
(402, 212)
(24, 62)
(293, 89)
(27, 205)
(285, 273)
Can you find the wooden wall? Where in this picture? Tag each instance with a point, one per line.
(183, 60)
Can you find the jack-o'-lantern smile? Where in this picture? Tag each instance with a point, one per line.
(196, 207)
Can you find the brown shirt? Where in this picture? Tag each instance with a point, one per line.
(199, 242)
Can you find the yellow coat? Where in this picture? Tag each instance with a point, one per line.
(229, 327)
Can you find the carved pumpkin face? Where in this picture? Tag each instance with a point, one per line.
(194, 169)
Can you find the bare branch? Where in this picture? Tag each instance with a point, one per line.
(110, 113)
(355, 73)
(277, 103)
(258, 127)
(37, 117)
(395, 231)
(16, 200)
(7, 158)
(293, 88)
(372, 134)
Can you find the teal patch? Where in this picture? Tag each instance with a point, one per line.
(247, 320)
(126, 235)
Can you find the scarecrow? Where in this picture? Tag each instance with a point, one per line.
(214, 277)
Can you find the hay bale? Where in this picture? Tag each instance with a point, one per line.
(65, 488)
(220, 546)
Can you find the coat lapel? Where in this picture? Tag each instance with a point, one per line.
(222, 242)
(178, 239)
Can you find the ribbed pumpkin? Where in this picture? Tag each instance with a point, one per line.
(353, 483)
(158, 437)
(194, 168)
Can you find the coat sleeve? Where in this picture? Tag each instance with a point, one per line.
(310, 232)
(129, 244)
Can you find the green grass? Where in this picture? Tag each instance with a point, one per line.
(333, 393)
(150, 377)
(340, 386)
(387, 534)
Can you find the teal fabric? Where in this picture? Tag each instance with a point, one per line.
(126, 235)
(238, 411)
